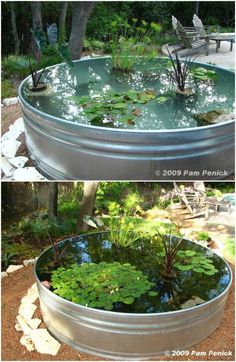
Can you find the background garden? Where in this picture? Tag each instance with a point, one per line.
(35, 215)
(95, 25)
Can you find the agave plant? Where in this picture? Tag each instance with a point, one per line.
(40, 43)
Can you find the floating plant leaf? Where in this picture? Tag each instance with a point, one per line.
(113, 106)
(203, 74)
(101, 285)
(162, 99)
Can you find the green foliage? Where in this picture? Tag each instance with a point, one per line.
(131, 43)
(16, 65)
(220, 188)
(39, 228)
(203, 74)
(112, 108)
(101, 285)
(172, 258)
(111, 191)
(203, 235)
(8, 89)
(7, 259)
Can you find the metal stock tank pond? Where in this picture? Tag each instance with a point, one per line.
(94, 122)
(164, 313)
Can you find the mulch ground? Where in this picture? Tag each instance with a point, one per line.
(15, 286)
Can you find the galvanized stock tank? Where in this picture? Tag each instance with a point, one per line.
(129, 336)
(66, 150)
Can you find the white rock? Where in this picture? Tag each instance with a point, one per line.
(18, 327)
(10, 101)
(44, 342)
(4, 274)
(7, 168)
(13, 268)
(18, 161)
(26, 310)
(24, 325)
(27, 342)
(10, 147)
(31, 295)
(14, 130)
(28, 262)
(34, 323)
(27, 174)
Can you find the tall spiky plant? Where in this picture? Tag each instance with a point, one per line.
(180, 70)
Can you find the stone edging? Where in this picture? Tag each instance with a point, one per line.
(33, 338)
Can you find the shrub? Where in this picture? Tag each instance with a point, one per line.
(8, 89)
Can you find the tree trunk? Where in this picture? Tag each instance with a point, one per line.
(90, 189)
(14, 28)
(36, 14)
(62, 21)
(196, 11)
(81, 12)
(52, 201)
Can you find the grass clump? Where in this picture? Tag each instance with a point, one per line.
(8, 89)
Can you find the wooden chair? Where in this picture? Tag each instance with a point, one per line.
(190, 39)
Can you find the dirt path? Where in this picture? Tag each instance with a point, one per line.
(15, 286)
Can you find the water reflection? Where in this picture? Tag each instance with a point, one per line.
(172, 292)
(96, 77)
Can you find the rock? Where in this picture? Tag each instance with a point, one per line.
(24, 325)
(18, 327)
(10, 147)
(7, 168)
(10, 101)
(215, 116)
(28, 262)
(34, 323)
(192, 302)
(14, 130)
(27, 342)
(44, 342)
(27, 174)
(19, 161)
(4, 274)
(31, 295)
(13, 268)
(26, 310)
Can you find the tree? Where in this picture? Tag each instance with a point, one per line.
(36, 14)
(81, 11)
(14, 28)
(88, 200)
(52, 200)
(62, 20)
(196, 11)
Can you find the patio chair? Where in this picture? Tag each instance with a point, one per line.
(205, 32)
(190, 39)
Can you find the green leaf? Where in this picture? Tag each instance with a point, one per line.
(64, 52)
(152, 294)
(39, 38)
(52, 34)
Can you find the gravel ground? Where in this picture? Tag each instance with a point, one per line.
(15, 286)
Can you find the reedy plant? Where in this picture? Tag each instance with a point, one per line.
(130, 43)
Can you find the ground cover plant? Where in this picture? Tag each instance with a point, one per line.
(101, 285)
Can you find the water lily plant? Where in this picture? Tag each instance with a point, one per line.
(172, 258)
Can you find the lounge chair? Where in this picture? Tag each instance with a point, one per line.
(190, 39)
(205, 32)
